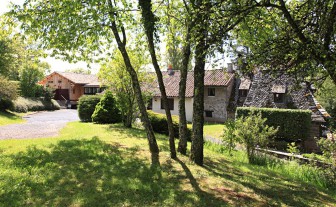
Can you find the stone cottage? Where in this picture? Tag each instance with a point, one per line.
(217, 90)
(266, 90)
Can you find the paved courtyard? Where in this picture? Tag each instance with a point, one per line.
(40, 124)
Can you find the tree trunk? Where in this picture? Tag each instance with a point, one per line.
(149, 21)
(183, 134)
(153, 147)
(198, 105)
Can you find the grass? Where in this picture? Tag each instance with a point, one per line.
(10, 118)
(108, 165)
(213, 129)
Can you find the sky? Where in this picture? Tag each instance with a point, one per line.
(56, 64)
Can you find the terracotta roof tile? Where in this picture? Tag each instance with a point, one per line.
(211, 78)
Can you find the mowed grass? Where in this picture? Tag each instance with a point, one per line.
(213, 129)
(108, 165)
(10, 118)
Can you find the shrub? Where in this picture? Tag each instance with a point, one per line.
(5, 104)
(252, 131)
(86, 106)
(23, 105)
(106, 110)
(160, 125)
(293, 124)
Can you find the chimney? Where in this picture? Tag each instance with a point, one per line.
(230, 68)
(170, 70)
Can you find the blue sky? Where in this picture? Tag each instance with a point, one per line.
(56, 64)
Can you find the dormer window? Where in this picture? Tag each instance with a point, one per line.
(279, 92)
(211, 92)
(279, 98)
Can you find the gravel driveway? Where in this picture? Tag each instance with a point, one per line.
(41, 124)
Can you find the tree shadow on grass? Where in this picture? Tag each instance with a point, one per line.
(273, 188)
(133, 132)
(9, 115)
(87, 173)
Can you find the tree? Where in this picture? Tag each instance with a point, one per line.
(8, 92)
(33, 71)
(149, 21)
(82, 30)
(11, 49)
(296, 36)
(106, 111)
(114, 75)
(212, 20)
(252, 132)
(327, 97)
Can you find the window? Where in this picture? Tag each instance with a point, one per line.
(243, 93)
(73, 91)
(208, 113)
(211, 91)
(150, 104)
(170, 104)
(279, 97)
(59, 81)
(50, 81)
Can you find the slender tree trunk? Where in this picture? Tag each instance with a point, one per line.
(198, 105)
(183, 134)
(153, 147)
(149, 24)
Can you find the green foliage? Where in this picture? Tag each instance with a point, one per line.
(228, 136)
(114, 74)
(252, 131)
(79, 71)
(293, 125)
(328, 147)
(293, 39)
(23, 105)
(159, 124)
(8, 92)
(327, 97)
(29, 76)
(106, 111)
(292, 148)
(86, 106)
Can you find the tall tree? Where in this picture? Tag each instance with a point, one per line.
(212, 20)
(149, 21)
(296, 36)
(82, 30)
(114, 75)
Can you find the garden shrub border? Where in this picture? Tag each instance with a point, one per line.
(294, 124)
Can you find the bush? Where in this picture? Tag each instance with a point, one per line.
(106, 111)
(23, 105)
(160, 125)
(294, 125)
(5, 104)
(86, 106)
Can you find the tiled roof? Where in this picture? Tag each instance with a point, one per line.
(79, 78)
(262, 89)
(245, 84)
(83, 79)
(211, 78)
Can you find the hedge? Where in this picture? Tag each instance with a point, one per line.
(106, 111)
(86, 106)
(160, 125)
(23, 105)
(293, 124)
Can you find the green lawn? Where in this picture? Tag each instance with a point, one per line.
(213, 129)
(102, 165)
(10, 118)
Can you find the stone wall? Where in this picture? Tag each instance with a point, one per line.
(310, 144)
(217, 104)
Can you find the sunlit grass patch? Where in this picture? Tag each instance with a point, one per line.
(109, 165)
(10, 118)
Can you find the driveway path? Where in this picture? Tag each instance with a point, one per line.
(41, 124)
